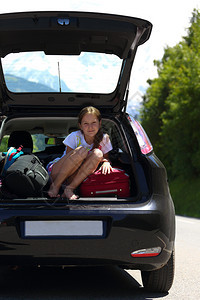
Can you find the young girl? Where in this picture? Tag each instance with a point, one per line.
(85, 149)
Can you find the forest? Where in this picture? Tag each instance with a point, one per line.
(171, 116)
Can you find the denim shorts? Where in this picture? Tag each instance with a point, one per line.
(50, 165)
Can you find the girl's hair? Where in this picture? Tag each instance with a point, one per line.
(92, 110)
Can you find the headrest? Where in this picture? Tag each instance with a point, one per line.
(22, 137)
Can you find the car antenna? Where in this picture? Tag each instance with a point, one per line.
(59, 76)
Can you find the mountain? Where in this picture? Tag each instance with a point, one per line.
(20, 85)
(32, 68)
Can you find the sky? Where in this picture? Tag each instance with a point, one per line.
(170, 21)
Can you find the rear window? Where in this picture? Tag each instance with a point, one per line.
(37, 72)
(49, 139)
(40, 142)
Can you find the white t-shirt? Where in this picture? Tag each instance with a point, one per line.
(76, 139)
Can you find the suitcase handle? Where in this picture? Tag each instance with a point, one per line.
(106, 191)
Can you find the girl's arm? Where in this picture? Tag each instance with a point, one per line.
(106, 165)
(68, 149)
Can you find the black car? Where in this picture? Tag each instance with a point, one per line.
(52, 65)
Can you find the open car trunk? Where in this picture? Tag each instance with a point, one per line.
(48, 134)
(55, 63)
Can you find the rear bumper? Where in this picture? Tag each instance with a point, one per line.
(126, 229)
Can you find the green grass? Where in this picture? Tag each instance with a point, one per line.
(186, 196)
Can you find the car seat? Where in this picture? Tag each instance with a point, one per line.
(21, 137)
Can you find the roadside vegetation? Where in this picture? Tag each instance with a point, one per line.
(186, 195)
(171, 117)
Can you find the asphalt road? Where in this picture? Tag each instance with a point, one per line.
(109, 282)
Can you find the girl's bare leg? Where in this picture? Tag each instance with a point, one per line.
(65, 167)
(87, 168)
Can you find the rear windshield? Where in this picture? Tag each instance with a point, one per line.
(36, 72)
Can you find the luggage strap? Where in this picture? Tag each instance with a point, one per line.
(14, 153)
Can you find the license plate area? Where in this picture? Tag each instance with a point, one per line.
(63, 229)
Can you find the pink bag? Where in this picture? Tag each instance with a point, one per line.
(97, 184)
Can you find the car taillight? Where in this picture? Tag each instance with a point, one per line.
(149, 252)
(143, 140)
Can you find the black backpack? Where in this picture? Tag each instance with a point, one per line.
(26, 177)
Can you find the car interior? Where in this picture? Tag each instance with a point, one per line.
(44, 137)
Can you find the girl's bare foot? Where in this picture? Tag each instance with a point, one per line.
(53, 191)
(69, 193)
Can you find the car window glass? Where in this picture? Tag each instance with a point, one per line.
(43, 141)
(37, 72)
(39, 143)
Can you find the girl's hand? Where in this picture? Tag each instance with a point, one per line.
(106, 168)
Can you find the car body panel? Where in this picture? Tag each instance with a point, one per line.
(125, 232)
(71, 32)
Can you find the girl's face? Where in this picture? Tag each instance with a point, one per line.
(90, 125)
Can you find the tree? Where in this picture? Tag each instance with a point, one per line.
(171, 110)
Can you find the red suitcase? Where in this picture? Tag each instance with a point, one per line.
(97, 184)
